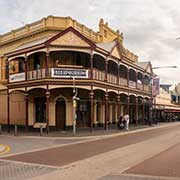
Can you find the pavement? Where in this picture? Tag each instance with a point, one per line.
(101, 157)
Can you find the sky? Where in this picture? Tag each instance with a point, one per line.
(150, 27)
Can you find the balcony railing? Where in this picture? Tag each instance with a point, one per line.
(77, 73)
(147, 88)
(112, 79)
(139, 86)
(98, 75)
(36, 74)
(123, 81)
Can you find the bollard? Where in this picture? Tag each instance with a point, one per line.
(41, 130)
(0, 129)
(15, 130)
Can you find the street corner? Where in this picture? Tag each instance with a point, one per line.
(4, 149)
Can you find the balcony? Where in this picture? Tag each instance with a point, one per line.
(36, 74)
(112, 79)
(78, 73)
(98, 75)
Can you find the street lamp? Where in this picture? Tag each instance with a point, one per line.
(159, 67)
(75, 99)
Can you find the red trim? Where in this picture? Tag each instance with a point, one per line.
(172, 110)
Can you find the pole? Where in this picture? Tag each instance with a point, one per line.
(74, 106)
(74, 116)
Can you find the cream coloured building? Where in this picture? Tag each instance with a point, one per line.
(47, 63)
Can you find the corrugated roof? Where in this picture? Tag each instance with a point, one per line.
(142, 64)
(106, 46)
(33, 43)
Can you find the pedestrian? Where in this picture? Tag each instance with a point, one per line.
(120, 123)
(126, 119)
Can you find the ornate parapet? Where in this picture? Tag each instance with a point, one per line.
(51, 22)
(131, 56)
(108, 33)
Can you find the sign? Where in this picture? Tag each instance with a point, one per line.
(17, 77)
(155, 86)
(132, 84)
(69, 73)
(40, 124)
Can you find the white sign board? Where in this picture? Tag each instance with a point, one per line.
(132, 84)
(69, 73)
(17, 77)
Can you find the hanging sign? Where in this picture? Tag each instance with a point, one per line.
(155, 86)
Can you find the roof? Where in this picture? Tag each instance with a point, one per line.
(142, 64)
(165, 87)
(107, 46)
(33, 43)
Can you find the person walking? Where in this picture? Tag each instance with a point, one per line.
(126, 119)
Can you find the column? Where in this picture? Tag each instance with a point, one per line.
(106, 110)
(118, 74)
(27, 111)
(136, 79)
(7, 70)
(47, 65)
(143, 111)
(92, 109)
(106, 69)
(47, 109)
(91, 62)
(136, 111)
(118, 106)
(8, 111)
(143, 82)
(128, 77)
(26, 68)
(128, 104)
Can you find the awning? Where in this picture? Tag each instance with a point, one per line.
(168, 108)
(171, 110)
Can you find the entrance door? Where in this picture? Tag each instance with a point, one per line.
(60, 114)
(40, 109)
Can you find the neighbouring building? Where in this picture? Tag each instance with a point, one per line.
(166, 106)
(47, 63)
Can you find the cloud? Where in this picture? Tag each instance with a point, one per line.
(150, 27)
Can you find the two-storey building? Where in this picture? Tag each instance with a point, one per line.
(46, 63)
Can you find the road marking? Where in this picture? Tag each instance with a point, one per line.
(4, 149)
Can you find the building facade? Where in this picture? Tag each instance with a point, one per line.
(56, 69)
(166, 109)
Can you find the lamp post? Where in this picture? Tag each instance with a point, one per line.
(74, 98)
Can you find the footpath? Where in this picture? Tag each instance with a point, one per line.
(100, 156)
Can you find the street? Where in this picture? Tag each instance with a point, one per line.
(150, 153)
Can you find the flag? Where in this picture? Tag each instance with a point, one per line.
(155, 86)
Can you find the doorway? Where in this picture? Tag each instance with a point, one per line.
(60, 114)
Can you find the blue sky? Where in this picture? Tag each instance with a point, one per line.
(150, 27)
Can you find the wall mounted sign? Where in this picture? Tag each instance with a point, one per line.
(17, 77)
(69, 73)
(132, 84)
